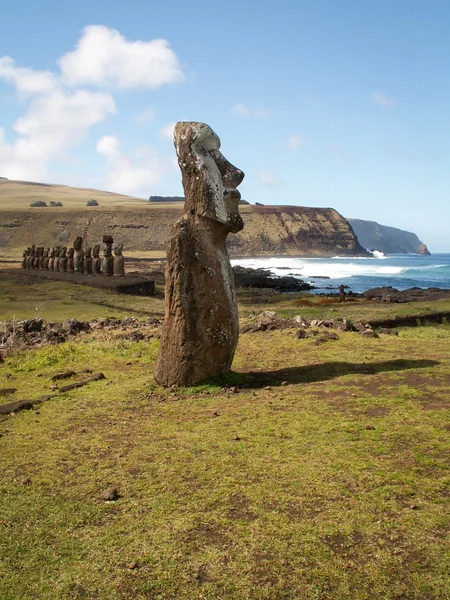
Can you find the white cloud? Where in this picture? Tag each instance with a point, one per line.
(26, 81)
(58, 116)
(268, 179)
(145, 116)
(295, 140)
(167, 131)
(135, 173)
(103, 57)
(382, 99)
(251, 112)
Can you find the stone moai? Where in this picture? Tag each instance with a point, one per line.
(57, 254)
(25, 255)
(63, 259)
(78, 256)
(41, 258)
(70, 265)
(30, 258)
(46, 259)
(87, 262)
(96, 260)
(201, 324)
(108, 261)
(119, 261)
(51, 259)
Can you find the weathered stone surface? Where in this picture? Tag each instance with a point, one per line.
(119, 261)
(201, 325)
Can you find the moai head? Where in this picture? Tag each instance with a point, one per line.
(209, 180)
(58, 251)
(47, 252)
(70, 253)
(52, 253)
(118, 250)
(96, 251)
(78, 243)
(87, 252)
(63, 252)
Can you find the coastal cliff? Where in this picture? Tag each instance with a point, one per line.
(275, 230)
(389, 240)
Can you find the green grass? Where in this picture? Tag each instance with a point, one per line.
(324, 478)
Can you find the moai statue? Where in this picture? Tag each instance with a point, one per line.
(201, 324)
(25, 255)
(51, 259)
(87, 264)
(46, 259)
(108, 261)
(30, 258)
(78, 256)
(35, 263)
(57, 254)
(119, 261)
(70, 265)
(41, 258)
(63, 259)
(96, 260)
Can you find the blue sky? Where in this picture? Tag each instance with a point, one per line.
(341, 103)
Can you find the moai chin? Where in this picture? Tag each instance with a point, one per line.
(201, 324)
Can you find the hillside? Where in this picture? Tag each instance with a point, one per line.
(389, 240)
(141, 225)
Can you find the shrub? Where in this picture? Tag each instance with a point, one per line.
(53, 203)
(92, 202)
(38, 203)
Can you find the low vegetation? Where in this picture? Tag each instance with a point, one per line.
(311, 472)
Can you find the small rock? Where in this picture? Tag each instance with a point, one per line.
(301, 334)
(132, 565)
(413, 507)
(234, 390)
(111, 494)
(284, 383)
(369, 427)
(26, 481)
(237, 438)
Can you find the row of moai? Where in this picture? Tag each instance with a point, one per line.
(77, 259)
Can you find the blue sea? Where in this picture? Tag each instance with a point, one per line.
(401, 271)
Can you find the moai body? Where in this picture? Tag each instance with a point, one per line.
(87, 262)
(51, 259)
(70, 265)
(78, 256)
(46, 259)
(108, 261)
(119, 261)
(201, 324)
(96, 260)
(63, 260)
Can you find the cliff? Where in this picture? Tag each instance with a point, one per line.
(268, 230)
(389, 240)
(142, 225)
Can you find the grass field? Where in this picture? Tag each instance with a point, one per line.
(322, 473)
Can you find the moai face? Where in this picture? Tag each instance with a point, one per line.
(107, 250)
(96, 251)
(70, 253)
(209, 179)
(63, 253)
(87, 252)
(78, 243)
(118, 250)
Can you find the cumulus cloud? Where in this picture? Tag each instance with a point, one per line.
(134, 173)
(251, 112)
(167, 131)
(58, 112)
(382, 99)
(268, 179)
(295, 140)
(103, 57)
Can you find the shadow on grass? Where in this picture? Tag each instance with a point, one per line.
(330, 370)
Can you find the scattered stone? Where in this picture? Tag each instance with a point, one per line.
(31, 325)
(111, 494)
(414, 507)
(370, 333)
(73, 326)
(369, 427)
(388, 331)
(132, 565)
(25, 481)
(78, 384)
(284, 383)
(65, 375)
(7, 391)
(301, 334)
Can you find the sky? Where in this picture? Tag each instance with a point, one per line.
(325, 103)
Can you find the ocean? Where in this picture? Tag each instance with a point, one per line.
(401, 271)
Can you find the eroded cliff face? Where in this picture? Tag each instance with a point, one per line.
(390, 240)
(274, 230)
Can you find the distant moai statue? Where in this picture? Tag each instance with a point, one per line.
(25, 255)
(30, 258)
(46, 259)
(87, 264)
(57, 254)
(63, 259)
(78, 256)
(119, 261)
(108, 261)
(70, 265)
(201, 323)
(51, 259)
(40, 258)
(96, 260)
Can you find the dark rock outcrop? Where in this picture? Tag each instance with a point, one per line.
(261, 278)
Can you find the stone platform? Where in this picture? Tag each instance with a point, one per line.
(136, 285)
